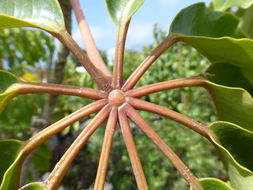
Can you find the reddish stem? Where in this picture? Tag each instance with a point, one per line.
(143, 67)
(62, 166)
(117, 79)
(29, 87)
(88, 40)
(166, 85)
(45, 134)
(105, 153)
(188, 122)
(102, 80)
(131, 148)
(168, 152)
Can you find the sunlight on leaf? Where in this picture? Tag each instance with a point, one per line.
(34, 186)
(43, 14)
(121, 11)
(222, 5)
(192, 20)
(213, 184)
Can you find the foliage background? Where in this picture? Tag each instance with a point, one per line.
(32, 58)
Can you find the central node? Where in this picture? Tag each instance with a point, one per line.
(116, 97)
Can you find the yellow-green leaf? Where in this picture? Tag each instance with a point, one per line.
(11, 163)
(222, 5)
(213, 184)
(8, 88)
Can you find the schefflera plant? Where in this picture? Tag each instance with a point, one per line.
(215, 34)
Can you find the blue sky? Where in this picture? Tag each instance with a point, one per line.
(161, 12)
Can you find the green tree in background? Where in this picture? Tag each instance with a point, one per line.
(180, 61)
(51, 128)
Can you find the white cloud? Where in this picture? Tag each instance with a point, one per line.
(139, 34)
(110, 55)
(97, 32)
(102, 36)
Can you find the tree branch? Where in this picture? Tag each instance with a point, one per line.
(168, 152)
(105, 153)
(29, 87)
(143, 67)
(180, 118)
(103, 81)
(131, 148)
(167, 85)
(88, 40)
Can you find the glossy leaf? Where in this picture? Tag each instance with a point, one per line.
(44, 14)
(232, 77)
(213, 184)
(8, 88)
(235, 145)
(192, 21)
(222, 5)
(121, 11)
(218, 49)
(34, 186)
(10, 164)
(234, 105)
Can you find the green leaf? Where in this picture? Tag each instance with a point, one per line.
(222, 5)
(121, 11)
(213, 184)
(234, 105)
(232, 77)
(192, 21)
(10, 164)
(247, 21)
(218, 49)
(235, 144)
(34, 186)
(43, 14)
(8, 88)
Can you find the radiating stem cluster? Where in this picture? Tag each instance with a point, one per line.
(116, 102)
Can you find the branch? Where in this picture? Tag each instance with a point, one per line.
(167, 85)
(29, 87)
(105, 154)
(168, 152)
(45, 134)
(119, 55)
(88, 40)
(103, 81)
(180, 118)
(131, 148)
(62, 166)
(143, 67)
